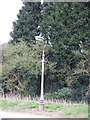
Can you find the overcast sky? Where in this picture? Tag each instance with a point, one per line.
(8, 13)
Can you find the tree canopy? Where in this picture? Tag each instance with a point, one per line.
(26, 26)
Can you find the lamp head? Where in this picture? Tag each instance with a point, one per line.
(39, 38)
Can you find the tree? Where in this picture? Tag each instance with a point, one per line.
(26, 26)
(65, 26)
(21, 67)
(65, 23)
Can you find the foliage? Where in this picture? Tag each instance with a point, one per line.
(20, 66)
(69, 94)
(62, 24)
(26, 26)
(62, 94)
(65, 93)
(80, 94)
(65, 27)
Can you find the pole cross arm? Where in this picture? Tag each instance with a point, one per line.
(44, 61)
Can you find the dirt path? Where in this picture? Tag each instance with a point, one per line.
(4, 114)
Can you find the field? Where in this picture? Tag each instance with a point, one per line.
(56, 110)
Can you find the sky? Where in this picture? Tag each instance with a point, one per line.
(8, 14)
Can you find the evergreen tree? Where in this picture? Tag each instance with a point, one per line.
(26, 26)
(65, 26)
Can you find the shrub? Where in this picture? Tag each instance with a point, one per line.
(65, 93)
(68, 94)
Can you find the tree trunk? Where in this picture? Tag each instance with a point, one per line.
(51, 85)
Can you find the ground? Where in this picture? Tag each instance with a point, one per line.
(30, 109)
(9, 114)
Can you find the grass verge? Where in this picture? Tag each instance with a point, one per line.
(56, 109)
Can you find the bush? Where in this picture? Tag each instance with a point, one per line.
(68, 94)
(65, 93)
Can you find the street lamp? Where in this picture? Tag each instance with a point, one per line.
(41, 107)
